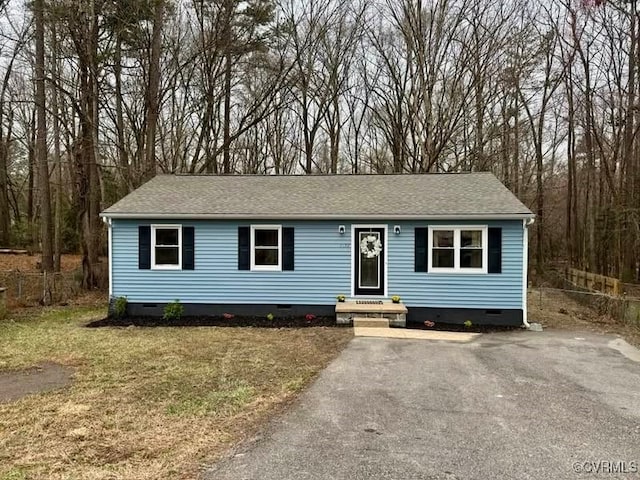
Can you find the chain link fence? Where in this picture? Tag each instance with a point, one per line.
(622, 308)
(33, 288)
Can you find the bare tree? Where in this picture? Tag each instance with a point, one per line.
(41, 142)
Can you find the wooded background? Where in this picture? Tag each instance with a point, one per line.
(98, 96)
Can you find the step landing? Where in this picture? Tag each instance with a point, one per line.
(394, 313)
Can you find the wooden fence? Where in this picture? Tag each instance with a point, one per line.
(594, 282)
(606, 295)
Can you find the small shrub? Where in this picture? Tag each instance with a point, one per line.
(228, 316)
(429, 324)
(310, 317)
(396, 299)
(468, 324)
(270, 316)
(341, 298)
(173, 310)
(120, 307)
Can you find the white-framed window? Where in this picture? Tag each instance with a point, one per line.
(456, 249)
(166, 247)
(266, 247)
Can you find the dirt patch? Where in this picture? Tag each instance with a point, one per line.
(555, 309)
(217, 321)
(45, 377)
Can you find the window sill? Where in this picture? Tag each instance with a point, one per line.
(451, 271)
(166, 267)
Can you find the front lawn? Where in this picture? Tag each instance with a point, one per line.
(146, 403)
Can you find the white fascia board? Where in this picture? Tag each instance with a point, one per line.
(240, 216)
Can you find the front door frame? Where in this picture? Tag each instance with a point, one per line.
(355, 250)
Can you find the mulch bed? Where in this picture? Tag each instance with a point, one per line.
(216, 321)
(456, 327)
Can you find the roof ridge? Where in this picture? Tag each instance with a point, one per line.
(312, 175)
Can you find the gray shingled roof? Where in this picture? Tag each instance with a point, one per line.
(471, 195)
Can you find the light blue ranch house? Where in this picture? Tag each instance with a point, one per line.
(452, 246)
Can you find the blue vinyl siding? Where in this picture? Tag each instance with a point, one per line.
(322, 269)
(485, 291)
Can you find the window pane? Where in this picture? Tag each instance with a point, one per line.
(443, 238)
(471, 238)
(471, 258)
(166, 236)
(166, 255)
(442, 258)
(266, 238)
(266, 256)
(369, 271)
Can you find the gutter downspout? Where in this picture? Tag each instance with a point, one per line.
(526, 223)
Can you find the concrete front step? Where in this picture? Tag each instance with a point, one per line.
(369, 322)
(386, 307)
(394, 313)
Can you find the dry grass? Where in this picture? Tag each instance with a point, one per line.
(557, 310)
(146, 403)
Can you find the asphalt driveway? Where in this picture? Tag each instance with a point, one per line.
(515, 405)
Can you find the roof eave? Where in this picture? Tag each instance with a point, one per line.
(239, 216)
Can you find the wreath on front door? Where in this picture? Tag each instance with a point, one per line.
(371, 246)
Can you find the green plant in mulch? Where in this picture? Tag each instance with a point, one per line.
(341, 298)
(120, 307)
(270, 316)
(396, 299)
(468, 323)
(173, 310)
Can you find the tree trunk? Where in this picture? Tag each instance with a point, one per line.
(31, 159)
(569, 228)
(123, 160)
(226, 150)
(5, 215)
(153, 89)
(539, 213)
(629, 171)
(5, 210)
(41, 143)
(57, 234)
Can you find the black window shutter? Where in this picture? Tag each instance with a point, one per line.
(495, 250)
(421, 264)
(287, 248)
(243, 248)
(144, 247)
(188, 248)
